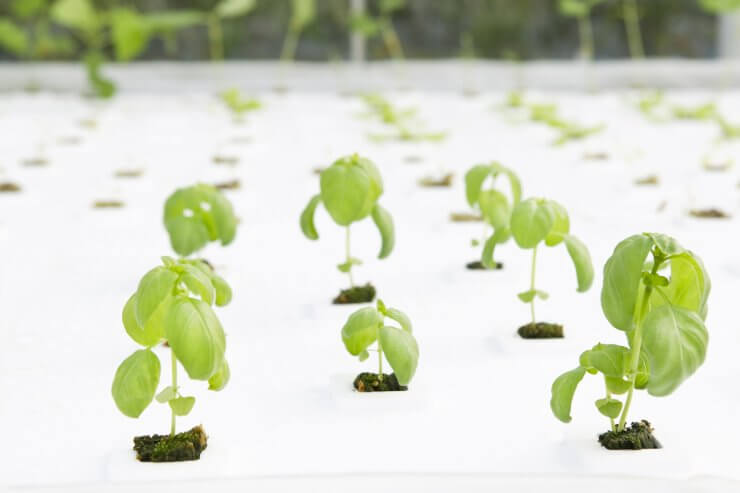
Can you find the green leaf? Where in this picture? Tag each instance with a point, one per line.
(361, 330)
(219, 379)
(182, 405)
(514, 183)
(561, 225)
(25, 9)
(528, 296)
(303, 13)
(400, 317)
(166, 395)
(581, 261)
(609, 407)
(13, 38)
(364, 25)
(500, 235)
(675, 340)
(363, 355)
(307, 223)
(75, 14)
(720, 6)
(154, 288)
(349, 189)
(617, 385)
(689, 284)
(531, 221)
(622, 274)
(401, 351)
(136, 382)
(196, 337)
(384, 222)
(234, 8)
(609, 359)
(102, 87)
(474, 179)
(130, 33)
(223, 290)
(198, 283)
(563, 389)
(495, 208)
(153, 331)
(666, 245)
(347, 266)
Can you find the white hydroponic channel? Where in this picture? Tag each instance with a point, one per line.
(479, 403)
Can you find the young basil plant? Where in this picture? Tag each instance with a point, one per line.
(370, 26)
(350, 189)
(494, 206)
(303, 13)
(581, 10)
(403, 122)
(656, 292)
(536, 221)
(196, 215)
(367, 326)
(173, 303)
(238, 104)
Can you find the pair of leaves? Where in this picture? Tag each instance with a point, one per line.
(536, 220)
(366, 326)
(196, 215)
(181, 406)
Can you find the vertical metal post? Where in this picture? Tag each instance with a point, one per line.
(357, 40)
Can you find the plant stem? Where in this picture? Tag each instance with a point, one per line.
(531, 281)
(632, 26)
(289, 46)
(215, 37)
(380, 361)
(586, 36)
(174, 386)
(609, 396)
(347, 259)
(391, 40)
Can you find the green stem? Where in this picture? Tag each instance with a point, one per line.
(215, 37)
(531, 281)
(174, 386)
(380, 361)
(289, 46)
(391, 40)
(609, 396)
(347, 259)
(586, 36)
(632, 26)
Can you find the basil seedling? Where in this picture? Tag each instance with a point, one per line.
(367, 326)
(533, 222)
(238, 104)
(403, 122)
(661, 305)
(381, 25)
(173, 304)
(350, 189)
(196, 215)
(494, 206)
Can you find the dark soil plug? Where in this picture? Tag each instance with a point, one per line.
(227, 160)
(357, 294)
(711, 213)
(369, 382)
(648, 180)
(8, 186)
(638, 436)
(166, 448)
(228, 185)
(317, 170)
(107, 204)
(128, 173)
(478, 265)
(541, 330)
(464, 217)
(35, 162)
(429, 181)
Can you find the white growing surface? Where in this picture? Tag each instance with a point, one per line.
(479, 403)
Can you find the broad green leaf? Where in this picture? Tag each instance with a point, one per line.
(500, 235)
(531, 221)
(400, 317)
(130, 33)
(196, 336)
(474, 179)
(384, 222)
(561, 225)
(135, 382)
(307, 224)
(187, 234)
(622, 274)
(617, 385)
(581, 261)
(401, 351)
(363, 355)
(609, 407)
(347, 266)
(155, 288)
(28, 8)
(223, 215)
(13, 38)
(609, 359)
(376, 181)
(166, 395)
(223, 290)
(689, 284)
(667, 245)
(675, 340)
(495, 208)
(75, 14)
(234, 8)
(528, 296)
(345, 191)
(303, 13)
(182, 405)
(153, 331)
(563, 389)
(361, 330)
(198, 283)
(219, 379)
(514, 183)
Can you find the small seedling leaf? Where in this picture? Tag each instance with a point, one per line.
(581, 261)
(182, 405)
(167, 394)
(609, 407)
(135, 382)
(401, 351)
(154, 288)
(400, 317)
(622, 275)
(563, 389)
(307, 221)
(531, 221)
(384, 223)
(219, 379)
(361, 330)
